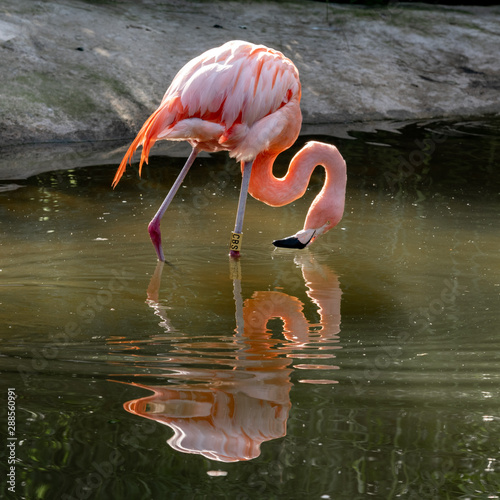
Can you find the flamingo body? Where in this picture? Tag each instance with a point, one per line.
(245, 99)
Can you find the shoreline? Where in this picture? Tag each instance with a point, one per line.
(82, 72)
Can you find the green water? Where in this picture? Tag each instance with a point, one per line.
(364, 367)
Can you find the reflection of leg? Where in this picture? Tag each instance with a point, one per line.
(238, 302)
(235, 245)
(153, 300)
(154, 284)
(154, 225)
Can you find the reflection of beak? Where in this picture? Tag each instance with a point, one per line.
(299, 240)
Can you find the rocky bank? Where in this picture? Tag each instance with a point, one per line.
(74, 70)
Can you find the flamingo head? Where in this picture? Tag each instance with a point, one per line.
(303, 238)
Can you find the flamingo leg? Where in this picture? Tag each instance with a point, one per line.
(154, 225)
(235, 244)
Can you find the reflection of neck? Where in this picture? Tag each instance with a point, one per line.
(265, 305)
(278, 191)
(325, 292)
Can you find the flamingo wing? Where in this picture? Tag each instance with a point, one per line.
(238, 97)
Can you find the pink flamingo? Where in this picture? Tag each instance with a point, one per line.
(245, 99)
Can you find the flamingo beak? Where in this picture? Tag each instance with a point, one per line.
(299, 240)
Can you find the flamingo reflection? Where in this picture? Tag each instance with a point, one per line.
(225, 413)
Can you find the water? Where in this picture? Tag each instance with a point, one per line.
(366, 366)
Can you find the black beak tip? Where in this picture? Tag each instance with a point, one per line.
(290, 242)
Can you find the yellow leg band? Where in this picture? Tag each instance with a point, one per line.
(235, 243)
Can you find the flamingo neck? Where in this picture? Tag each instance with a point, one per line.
(328, 206)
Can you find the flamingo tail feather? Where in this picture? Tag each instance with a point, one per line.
(146, 137)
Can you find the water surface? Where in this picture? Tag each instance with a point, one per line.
(365, 366)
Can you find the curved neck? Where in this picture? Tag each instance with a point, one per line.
(328, 206)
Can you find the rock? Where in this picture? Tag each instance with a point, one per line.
(85, 71)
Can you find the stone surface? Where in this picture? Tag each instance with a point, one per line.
(78, 71)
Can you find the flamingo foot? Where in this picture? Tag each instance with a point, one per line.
(155, 235)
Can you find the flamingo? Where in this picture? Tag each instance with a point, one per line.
(245, 99)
